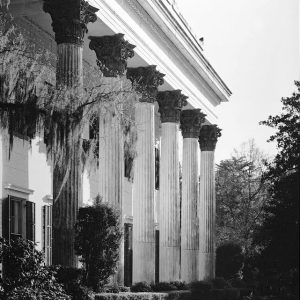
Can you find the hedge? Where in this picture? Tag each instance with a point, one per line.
(173, 295)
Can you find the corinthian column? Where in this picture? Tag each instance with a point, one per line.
(170, 105)
(191, 120)
(112, 53)
(207, 210)
(145, 80)
(69, 23)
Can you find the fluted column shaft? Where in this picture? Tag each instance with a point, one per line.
(111, 166)
(69, 66)
(169, 212)
(207, 209)
(65, 208)
(143, 195)
(189, 206)
(69, 23)
(207, 215)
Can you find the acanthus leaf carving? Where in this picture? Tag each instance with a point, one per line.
(112, 52)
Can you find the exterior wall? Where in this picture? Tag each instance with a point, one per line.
(26, 174)
(40, 181)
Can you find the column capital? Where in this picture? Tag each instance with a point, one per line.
(209, 135)
(112, 52)
(146, 80)
(190, 122)
(70, 19)
(170, 105)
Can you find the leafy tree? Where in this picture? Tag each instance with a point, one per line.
(25, 277)
(241, 192)
(97, 241)
(279, 235)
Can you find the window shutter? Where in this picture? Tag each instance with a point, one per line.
(30, 221)
(47, 234)
(6, 218)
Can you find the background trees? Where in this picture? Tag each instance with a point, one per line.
(279, 235)
(241, 192)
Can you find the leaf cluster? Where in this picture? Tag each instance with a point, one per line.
(24, 276)
(97, 241)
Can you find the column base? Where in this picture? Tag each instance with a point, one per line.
(143, 262)
(206, 266)
(169, 263)
(189, 265)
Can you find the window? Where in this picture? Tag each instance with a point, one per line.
(18, 218)
(47, 233)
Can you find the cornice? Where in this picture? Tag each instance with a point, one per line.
(153, 46)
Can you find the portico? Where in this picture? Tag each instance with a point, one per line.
(146, 46)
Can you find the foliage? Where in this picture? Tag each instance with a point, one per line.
(163, 286)
(140, 287)
(220, 283)
(229, 260)
(114, 289)
(97, 241)
(241, 192)
(32, 103)
(279, 235)
(201, 289)
(72, 281)
(180, 285)
(24, 275)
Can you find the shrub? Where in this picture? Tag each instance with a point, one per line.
(140, 287)
(238, 283)
(201, 290)
(229, 260)
(220, 283)
(163, 286)
(25, 277)
(97, 241)
(180, 285)
(71, 278)
(114, 289)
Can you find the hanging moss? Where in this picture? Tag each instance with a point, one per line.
(31, 105)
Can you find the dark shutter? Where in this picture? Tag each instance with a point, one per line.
(30, 221)
(156, 256)
(6, 218)
(47, 234)
(127, 254)
(156, 168)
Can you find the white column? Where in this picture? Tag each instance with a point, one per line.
(69, 33)
(207, 212)
(207, 209)
(143, 195)
(65, 208)
(169, 205)
(111, 171)
(170, 105)
(189, 219)
(111, 160)
(191, 120)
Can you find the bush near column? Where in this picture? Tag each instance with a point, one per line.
(97, 241)
(229, 260)
(25, 276)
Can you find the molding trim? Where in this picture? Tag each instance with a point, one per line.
(139, 22)
(19, 189)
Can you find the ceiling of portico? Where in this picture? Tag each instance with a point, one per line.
(32, 11)
(156, 44)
